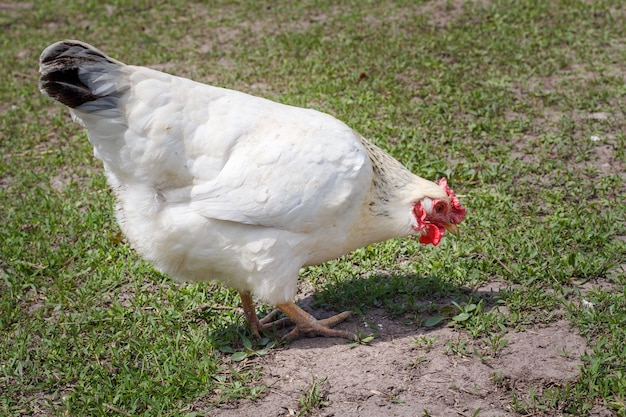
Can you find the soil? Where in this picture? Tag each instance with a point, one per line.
(395, 375)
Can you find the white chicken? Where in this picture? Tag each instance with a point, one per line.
(215, 184)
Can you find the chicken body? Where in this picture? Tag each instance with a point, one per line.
(215, 184)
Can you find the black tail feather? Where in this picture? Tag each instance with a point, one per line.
(65, 87)
(59, 66)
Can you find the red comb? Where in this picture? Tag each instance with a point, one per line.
(458, 211)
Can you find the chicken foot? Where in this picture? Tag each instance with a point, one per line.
(305, 323)
(310, 326)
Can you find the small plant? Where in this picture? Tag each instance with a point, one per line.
(417, 362)
(434, 320)
(497, 342)
(534, 404)
(362, 339)
(456, 347)
(395, 400)
(480, 355)
(391, 396)
(466, 312)
(249, 349)
(314, 397)
(618, 404)
(500, 380)
(564, 352)
(425, 342)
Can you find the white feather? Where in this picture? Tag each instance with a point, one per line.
(215, 184)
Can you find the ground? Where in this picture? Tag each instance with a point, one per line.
(409, 371)
(519, 104)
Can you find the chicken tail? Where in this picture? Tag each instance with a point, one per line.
(75, 73)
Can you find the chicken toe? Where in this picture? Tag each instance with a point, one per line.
(308, 325)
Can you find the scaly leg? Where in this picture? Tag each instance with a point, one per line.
(266, 322)
(250, 313)
(309, 325)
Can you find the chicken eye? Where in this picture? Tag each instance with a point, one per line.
(439, 207)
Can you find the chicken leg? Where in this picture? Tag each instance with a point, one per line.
(305, 323)
(266, 322)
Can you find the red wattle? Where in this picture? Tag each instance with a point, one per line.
(432, 234)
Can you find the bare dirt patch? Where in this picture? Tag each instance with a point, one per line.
(395, 376)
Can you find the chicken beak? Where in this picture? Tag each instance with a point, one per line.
(452, 228)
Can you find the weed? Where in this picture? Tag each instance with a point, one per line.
(250, 349)
(417, 362)
(425, 342)
(314, 397)
(497, 342)
(456, 347)
(362, 339)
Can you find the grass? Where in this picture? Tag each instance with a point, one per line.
(520, 104)
(313, 397)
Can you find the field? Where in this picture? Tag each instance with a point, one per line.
(521, 105)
